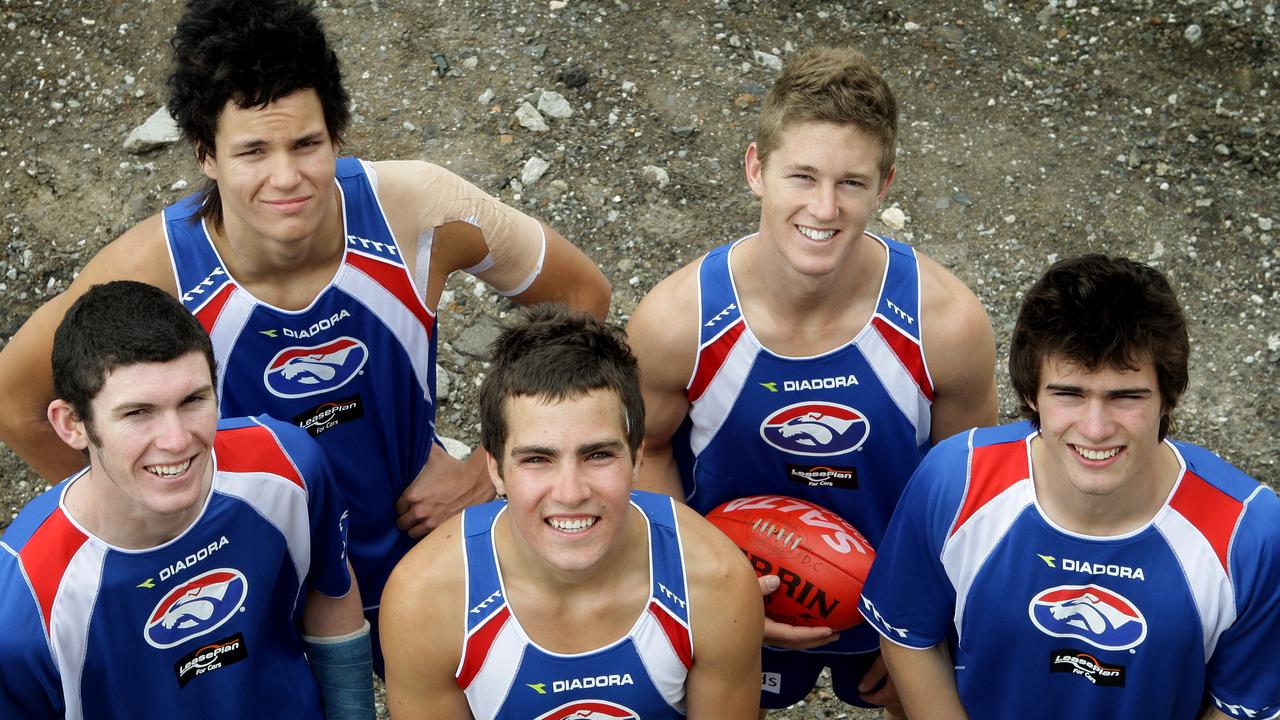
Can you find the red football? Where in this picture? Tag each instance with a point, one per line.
(820, 558)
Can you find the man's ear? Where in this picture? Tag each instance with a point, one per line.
(886, 183)
(755, 170)
(207, 163)
(67, 424)
(495, 475)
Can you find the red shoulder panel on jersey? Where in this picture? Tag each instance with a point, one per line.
(675, 631)
(711, 358)
(992, 470)
(392, 277)
(46, 555)
(254, 449)
(1214, 513)
(476, 648)
(209, 312)
(908, 351)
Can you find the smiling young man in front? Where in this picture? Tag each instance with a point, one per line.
(575, 597)
(1082, 564)
(177, 574)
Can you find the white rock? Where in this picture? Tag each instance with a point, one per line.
(444, 383)
(533, 170)
(655, 175)
(158, 130)
(458, 449)
(910, 26)
(470, 62)
(486, 97)
(531, 119)
(178, 184)
(1193, 34)
(554, 104)
(773, 62)
(893, 218)
(559, 4)
(1265, 223)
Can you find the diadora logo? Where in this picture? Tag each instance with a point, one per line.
(815, 383)
(487, 601)
(203, 286)
(200, 606)
(314, 328)
(173, 569)
(356, 241)
(590, 683)
(815, 428)
(590, 710)
(301, 371)
(721, 315)
(1090, 613)
(899, 312)
(1092, 568)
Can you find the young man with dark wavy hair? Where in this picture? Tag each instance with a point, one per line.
(1081, 563)
(317, 276)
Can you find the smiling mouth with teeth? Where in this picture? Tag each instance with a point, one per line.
(571, 525)
(814, 234)
(1088, 454)
(169, 470)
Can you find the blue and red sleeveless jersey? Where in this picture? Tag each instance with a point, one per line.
(844, 429)
(356, 368)
(506, 675)
(204, 626)
(1047, 623)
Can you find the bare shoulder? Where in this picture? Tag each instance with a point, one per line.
(432, 571)
(140, 254)
(953, 318)
(712, 562)
(665, 322)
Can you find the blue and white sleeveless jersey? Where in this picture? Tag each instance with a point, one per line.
(844, 429)
(1047, 623)
(356, 368)
(204, 626)
(507, 676)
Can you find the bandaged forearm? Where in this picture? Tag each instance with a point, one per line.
(343, 666)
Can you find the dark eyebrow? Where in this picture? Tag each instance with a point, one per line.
(811, 170)
(253, 143)
(587, 449)
(1063, 387)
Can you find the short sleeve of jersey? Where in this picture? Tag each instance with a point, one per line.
(1242, 676)
(515, 240)
(29, 686)
(325, 508)
(908, 597)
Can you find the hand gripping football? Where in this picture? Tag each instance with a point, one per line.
(821, 560)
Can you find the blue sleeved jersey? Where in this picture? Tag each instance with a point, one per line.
(1047, 623)
(204, 626)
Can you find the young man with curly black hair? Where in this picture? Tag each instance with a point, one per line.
(318, 277)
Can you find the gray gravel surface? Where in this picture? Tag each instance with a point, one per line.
(1029, 131)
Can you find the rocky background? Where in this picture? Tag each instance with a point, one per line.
(1030, 131)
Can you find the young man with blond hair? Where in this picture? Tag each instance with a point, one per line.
(812, 358)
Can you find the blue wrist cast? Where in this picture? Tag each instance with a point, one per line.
(343, 667)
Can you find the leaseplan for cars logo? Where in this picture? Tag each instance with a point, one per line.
(590, 710)
(815, 428)
(302, 371)
(1098, 616)
(199, 606)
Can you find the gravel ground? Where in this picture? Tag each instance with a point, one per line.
(1029, 131)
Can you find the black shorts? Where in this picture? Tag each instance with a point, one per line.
(789, 676)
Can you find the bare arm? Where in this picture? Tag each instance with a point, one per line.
(568, 276)
(727, 621)
(663, 334)
(26, 378)
(1212, 713)
(422, 632)
(960, 348)
(326, 616)
(925, 680)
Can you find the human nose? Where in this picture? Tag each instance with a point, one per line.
(571, 486)
(822, 204)
(284, 171)
(172, 433)
(1095, 422)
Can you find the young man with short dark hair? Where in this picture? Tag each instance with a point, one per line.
(193, 569)
(574, 596)
(1081, 563)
